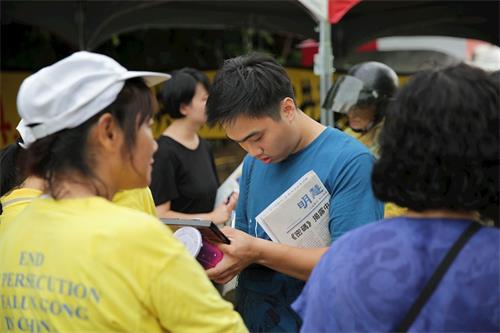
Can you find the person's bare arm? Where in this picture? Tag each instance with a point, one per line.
(219, 215)
(290, 260)
(245, 250)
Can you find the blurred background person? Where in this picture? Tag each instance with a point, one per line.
(184, 180)
(435, 269)
(362, 95)
(361, 98)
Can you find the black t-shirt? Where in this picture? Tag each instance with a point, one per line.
(187, 178)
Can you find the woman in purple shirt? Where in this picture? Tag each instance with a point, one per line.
(435, 269)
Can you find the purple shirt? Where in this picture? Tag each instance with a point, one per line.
(371, 276)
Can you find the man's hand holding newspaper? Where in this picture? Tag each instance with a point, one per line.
(297, 259)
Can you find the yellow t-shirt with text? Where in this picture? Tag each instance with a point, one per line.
(88, 265)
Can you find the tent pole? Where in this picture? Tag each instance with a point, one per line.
(323, 66)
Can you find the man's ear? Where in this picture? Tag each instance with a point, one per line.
(107, 133)
(288, 109)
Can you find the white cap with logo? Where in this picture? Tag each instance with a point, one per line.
(71, 91)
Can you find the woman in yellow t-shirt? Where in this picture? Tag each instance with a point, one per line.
(17, 191)
(73, 260)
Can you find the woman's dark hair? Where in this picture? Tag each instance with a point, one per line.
(252, 85)
(67, 151)
(440, 142)
(179, 90)
(11, 174)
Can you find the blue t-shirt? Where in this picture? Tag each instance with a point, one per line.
(344, 166)
(368, 279)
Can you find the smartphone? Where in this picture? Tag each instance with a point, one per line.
(209, 230)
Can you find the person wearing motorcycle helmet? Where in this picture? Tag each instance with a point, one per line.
(362, 95)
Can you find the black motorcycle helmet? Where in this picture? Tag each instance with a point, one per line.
(365, 84)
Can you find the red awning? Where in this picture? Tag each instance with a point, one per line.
(338, 8)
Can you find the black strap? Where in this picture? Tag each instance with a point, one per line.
(249, 178)
(247, 190)
(434, 281)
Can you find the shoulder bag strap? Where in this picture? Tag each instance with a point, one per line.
(438, 274)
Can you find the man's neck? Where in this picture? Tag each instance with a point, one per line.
(309, 128)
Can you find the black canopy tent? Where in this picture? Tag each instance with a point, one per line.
(86, 24)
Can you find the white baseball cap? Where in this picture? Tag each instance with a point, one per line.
(71, 91)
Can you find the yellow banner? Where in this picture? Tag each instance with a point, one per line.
(306, 87)
(305, 84)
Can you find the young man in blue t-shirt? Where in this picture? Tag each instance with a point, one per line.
(252, 98)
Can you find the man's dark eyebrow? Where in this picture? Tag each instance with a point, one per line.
(247, 137)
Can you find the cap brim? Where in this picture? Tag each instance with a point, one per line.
(25, 134)
(151, 78)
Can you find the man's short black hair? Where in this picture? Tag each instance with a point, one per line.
(179, 90)
(252, 85)
(440, 142)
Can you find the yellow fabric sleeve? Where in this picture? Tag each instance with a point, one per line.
(193, 305)
(140, 199)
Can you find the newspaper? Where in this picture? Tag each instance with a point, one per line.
(230, 185)
(299, 217)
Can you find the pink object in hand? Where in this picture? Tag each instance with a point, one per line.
(207, 254)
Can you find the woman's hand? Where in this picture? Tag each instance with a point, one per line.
(222, 213)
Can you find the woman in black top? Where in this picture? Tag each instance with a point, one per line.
(184, 179)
